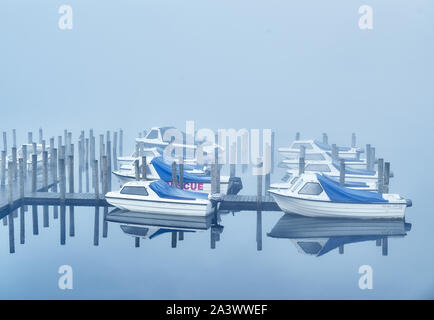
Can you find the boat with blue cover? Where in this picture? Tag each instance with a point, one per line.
(317, 195)
(158, 197)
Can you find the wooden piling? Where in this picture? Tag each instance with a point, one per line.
(380, 175)
(14, 163)
(109, 163)
(95, 178)
(335, 152)
(54, 180)
(22, 208)
(41, 136)
(71, 190)
(34, 188)
(325, 138)
(297, 136)
(385, 246)
(301, 165)
(174, 175)
(217, 169)
(25, 159)
(259, 230)
(259, 186)
(121, 142)
(368, 156)
(45, 186)
(62, 184)
(353, 140)
(386, 177)
(29, 137)
(105, 190)
(136, 169)
(86, 163)
(372, 158)
(341, 249)
(5, 141)
(144, 166)
(11, 200)
(14, 138)
(342, 173)
(80, 166)
(173, 239)
(181, 172)
(115, 151)
(3, 168)
(233, 160)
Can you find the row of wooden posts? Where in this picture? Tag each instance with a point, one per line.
(383, 169)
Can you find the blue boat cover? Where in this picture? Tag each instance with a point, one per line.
(326, 147)
(164, 170)
(362, 172)
(336, 193)
(350, 184)
(165, 191)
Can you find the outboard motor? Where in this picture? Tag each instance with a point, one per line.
(235, 185)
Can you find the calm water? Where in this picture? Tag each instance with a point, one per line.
(240, 255)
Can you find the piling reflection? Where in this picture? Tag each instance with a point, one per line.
(318, 236)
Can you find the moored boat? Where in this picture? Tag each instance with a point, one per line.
(317, 195)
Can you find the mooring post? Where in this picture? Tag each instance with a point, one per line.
(35, 148)
(109, 163)
(101, 154)
(173, 239)
(14, 138)
(121, 142)
(259, 230)
(259, 185)
(325, 138)
(353, 140)
(144, 166)
(71, 190)
(297, 136)
(301, 165)
(95, 178)
(267, 178)
(105, 190)
(54, 180)
(62, 183)
(51, 151)
(25, 159)
(368, 156)
(181, 172)
(386, 177)
(335, 152)
(217, 169)
(34, 188)
(45, 186)
(385, 246)
(11, 203)
(341, 249)
(80, 165)
(136, 169)
(380, 174)
(302, 153)
(22, 211)
(29, 137)
(342, 173)
(14, 163)
(174, 175)
(115, 150)
(233, 160)
(5, 141)
(372, 158)
(40, 136)
(3, 168)
(92, 155)
(86, 163)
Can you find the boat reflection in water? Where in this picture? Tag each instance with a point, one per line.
(150, 225)
(318, 236)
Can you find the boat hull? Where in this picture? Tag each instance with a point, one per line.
(329, 209)
(161, 206)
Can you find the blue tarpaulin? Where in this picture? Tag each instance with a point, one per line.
(362, 172)
(337, 193)
(164, 170)
(165, 191)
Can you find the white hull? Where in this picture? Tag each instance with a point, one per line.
(180, 207)
(316, 208)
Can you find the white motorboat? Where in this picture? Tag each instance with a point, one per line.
(158, 197)
(318, 147)
(291, 177)
(196, 177)
(316, 195)
(156, 138)
(318, 236)
(333, 170)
